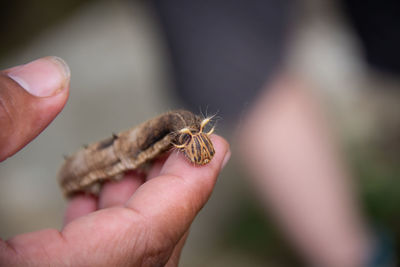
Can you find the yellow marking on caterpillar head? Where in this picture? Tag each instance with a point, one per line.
(204, 123)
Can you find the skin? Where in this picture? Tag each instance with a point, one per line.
(300, 175)
(138, 221)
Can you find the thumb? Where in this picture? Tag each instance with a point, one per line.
(31, 96)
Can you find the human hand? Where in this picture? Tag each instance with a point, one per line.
(138, 221)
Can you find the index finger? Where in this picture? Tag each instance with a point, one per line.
(171, 201)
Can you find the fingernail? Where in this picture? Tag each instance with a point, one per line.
(226, 159)
(43, 77)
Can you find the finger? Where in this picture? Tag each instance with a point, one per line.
(156, 167)
(176, 254)
(31, 96)
(172, 200)
(144, 232)
(78, 206)
(116, 193)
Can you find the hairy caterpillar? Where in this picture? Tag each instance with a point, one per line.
(131, 149)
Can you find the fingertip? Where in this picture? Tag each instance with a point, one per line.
(78, 206)
(199, 179)
(222, 145)
(116, 193)
(177, 164)
(182, 181)
(42, 77)
(156, 167)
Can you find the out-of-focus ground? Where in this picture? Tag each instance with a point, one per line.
(120, 78)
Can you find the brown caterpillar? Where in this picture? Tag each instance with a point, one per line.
(131, 149)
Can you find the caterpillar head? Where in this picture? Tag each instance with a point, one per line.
(196, 145)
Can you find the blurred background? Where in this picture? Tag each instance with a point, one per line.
(122, 74)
